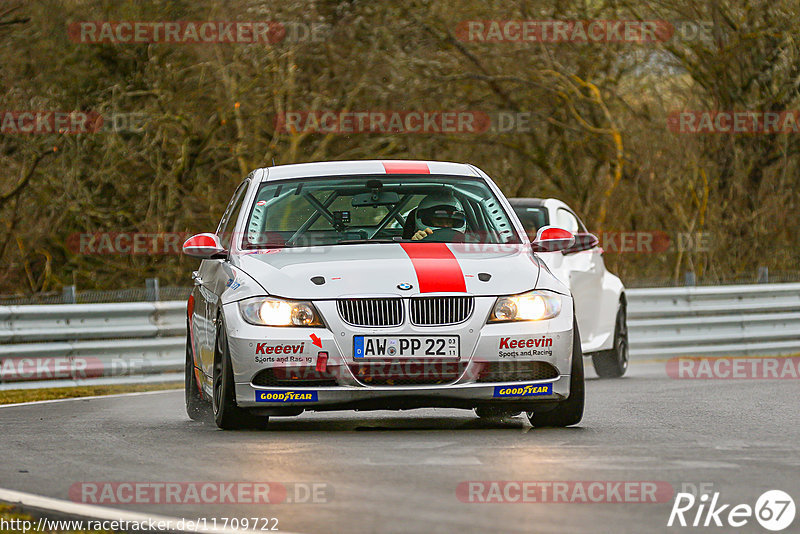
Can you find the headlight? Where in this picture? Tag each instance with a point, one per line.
(531, 306)
(269, 311)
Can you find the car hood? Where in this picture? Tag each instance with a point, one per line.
(383, 269)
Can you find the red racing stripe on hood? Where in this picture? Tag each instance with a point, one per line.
(437, 268)
(406, 167)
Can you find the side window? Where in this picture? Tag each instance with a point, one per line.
(566, 220)
(228, 220)
(532, 218)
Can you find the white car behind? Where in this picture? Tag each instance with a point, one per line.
(600, 304)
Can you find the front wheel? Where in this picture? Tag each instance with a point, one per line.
(570, 411)
(613, 363)
(227, 414)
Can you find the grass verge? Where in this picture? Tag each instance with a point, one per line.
(12, 520)
(13, 396)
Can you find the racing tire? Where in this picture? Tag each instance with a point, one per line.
(570, 411)
(196, 408)
(227, 414)
(613, 363)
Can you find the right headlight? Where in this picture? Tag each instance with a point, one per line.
(270, 311)
(531, 306)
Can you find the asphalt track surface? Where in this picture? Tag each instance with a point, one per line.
(399, 471)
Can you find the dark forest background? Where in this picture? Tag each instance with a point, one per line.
(599, 137)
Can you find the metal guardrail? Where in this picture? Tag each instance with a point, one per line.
(724, 320)
(141, 342)
(67, 344)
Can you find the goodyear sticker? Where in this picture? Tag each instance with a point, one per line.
(528, 390)
(286, 396)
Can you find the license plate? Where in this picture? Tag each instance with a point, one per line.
(405, 347)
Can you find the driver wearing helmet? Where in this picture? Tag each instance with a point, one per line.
(442, 214)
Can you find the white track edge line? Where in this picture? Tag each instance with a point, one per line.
(93, 397)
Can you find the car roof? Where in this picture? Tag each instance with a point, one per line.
(333, 168)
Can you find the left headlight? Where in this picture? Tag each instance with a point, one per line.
(270, 311)
(531, 306)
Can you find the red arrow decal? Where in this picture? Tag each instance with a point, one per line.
(316, 340)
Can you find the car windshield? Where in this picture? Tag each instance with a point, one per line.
(347, 209)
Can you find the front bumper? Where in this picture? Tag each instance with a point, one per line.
(256, 348)
(399, 398)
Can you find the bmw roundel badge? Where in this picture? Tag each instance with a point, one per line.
(405, 286)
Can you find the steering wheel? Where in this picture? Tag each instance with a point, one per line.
(445, 235)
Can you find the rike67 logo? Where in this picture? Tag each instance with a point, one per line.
(774, 510)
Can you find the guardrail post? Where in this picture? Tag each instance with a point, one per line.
(690, 279)
(68, 295)
(152, 289)
(763, 275)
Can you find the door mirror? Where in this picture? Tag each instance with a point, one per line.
(552, 239)
(583, 241)
(204, 246)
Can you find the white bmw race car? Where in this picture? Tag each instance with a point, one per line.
(600, 303)
(368, 285)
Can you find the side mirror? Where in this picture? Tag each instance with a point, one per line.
(583, 241)
(552, 239)
(204, 246)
